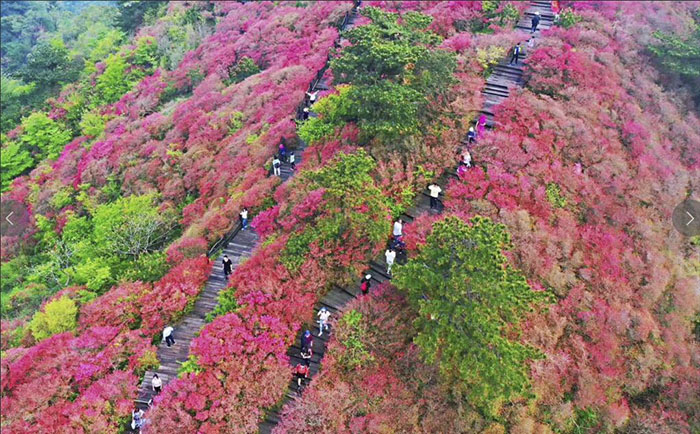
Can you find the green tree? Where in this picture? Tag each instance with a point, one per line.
(50, 64)
(14, 161)
(680, 56)
(132, 14)
(113, 83)
(132, 226)
(398, 77)
(353, 212)
(58, 316)
(14, 95)
(470, 301)
(44, 136)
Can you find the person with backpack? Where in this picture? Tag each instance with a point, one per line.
(323, 315)
(276, 164)
(292, 160)
(244, 218)
(535, 22)
(301, 373)
(365, 284)
(434, 194)
(516, 54)
(389, 255)
(307, 340)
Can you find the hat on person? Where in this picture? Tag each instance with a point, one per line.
(537, 13)
(307, 333)
(471, 129)
(369, 276)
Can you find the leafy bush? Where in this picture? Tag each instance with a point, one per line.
(43, 135)
(554, 195)
(92, 124)
(568, 18)
(58, 316)
(352, 332)
(347, 209)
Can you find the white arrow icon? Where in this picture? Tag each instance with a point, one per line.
(12, 212)
(691, 218)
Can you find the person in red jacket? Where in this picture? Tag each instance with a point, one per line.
(365, 283)
(301, 372)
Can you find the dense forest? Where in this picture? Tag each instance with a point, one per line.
(548, 292)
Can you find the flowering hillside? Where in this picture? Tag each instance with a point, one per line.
(551, 295)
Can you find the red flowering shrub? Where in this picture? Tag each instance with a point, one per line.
(187, 248)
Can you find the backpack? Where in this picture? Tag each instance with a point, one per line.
(277, 164)
(364, 286)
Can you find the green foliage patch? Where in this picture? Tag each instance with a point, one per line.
(470, 301)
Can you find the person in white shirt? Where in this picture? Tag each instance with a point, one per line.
(292, 160)
(137, 419)
(244, 218)
(312, 97)
(467, 158)
(398, 228)
(323, 315)
(168, 336)
(156, 383)
(390, 255)
(434, 194)
(276, 164)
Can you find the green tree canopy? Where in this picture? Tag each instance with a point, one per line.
(43, 135)
(353, 213)
(470, 301)
(680, 55)
(397, 78)
(50, 64)
(58, 316)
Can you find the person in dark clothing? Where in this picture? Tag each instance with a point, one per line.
(307, 340)
(227, 266)
(535, 22)
(283, 151)
(471, 135)
(365, 284)
(516, 54)
(306, 354)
